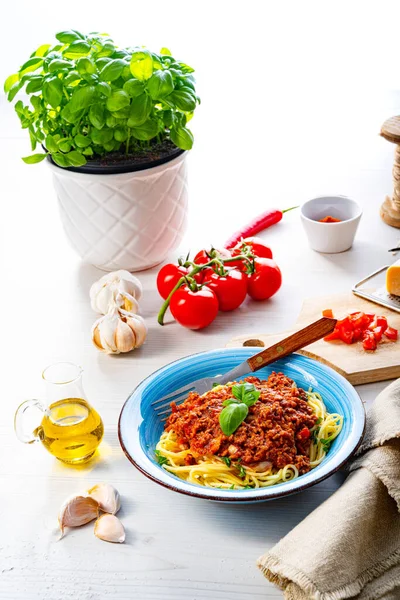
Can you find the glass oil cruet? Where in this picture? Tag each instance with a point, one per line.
(67, 425)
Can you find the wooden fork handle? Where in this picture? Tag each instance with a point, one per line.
(308, 335)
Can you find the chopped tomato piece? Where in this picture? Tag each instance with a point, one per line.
(357, 334)
(346, 330)
(304, 433)
(382, 322)
(332, 336)
(378, 333)
(328, 312)
(391, 333)
(369, 341)
(360, 320)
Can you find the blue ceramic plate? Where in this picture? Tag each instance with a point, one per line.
(139, 427)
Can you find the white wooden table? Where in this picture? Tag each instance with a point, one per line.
(176, 547)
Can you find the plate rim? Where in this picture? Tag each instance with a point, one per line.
(237, 499)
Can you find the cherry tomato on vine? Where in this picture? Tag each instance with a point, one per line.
(230, 289)
(194, 310)
(255, 245)
(266, 279)
(202, 257)
(168, 277)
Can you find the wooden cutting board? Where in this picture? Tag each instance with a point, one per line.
(351, 361)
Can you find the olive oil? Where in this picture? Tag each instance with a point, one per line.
(71, 430)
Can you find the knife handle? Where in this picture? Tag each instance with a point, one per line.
(304, 337)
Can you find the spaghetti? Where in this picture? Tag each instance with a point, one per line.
(271, 446)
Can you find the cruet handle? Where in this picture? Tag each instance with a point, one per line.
(26, 415)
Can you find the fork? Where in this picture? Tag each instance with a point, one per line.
(313, 332)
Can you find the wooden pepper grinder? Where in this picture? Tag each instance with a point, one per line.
(390, 209)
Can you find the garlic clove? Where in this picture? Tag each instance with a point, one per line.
(110, 529)
(138, 326)
(76, 511)
(103, 332)
(124, 337)
(127, 302)
(120, 287)
(107, 497)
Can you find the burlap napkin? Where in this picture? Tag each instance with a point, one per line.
(349, 547)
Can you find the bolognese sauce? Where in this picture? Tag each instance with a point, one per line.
(276, 429)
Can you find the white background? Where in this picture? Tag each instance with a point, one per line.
(293, 97)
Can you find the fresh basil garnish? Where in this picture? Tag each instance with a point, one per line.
(162, 460)
(236, 409)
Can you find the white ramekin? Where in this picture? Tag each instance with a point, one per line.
(331, 237)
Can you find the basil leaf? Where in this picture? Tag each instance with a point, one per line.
(230, 401)
(59, 65)
(34, 158)
(31, 65)
(9, 82)
(14, 90)
(34, 85)
(160, 84)
(231, 417)
(140, 110)
(226, 460)
(103, 136)
(51, 144)
(162, 460)
(60, 159)
(183, 99)
(165, 52)
(52, 91)
(117, 100)
(182, 137)
(82, 98)
(134, 87)
(97, 115)
(112, 70)
(75, 158)
(104, 89)
(85, 65)
(66, 37)
(71, 77)
(147, 131)
(82, 141)
(77, 49)
(141, 65)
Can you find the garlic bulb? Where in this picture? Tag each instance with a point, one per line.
(76, 511)
(110, 529)
(107, 497)
(119, 331)
(120, 287)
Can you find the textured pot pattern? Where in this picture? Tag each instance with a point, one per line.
(124, 221)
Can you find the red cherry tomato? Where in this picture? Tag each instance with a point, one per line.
(202, 257)
(253, 245)
(391, 333)
(194, 310)
(230, 289)
(266, 279)
(167, 278)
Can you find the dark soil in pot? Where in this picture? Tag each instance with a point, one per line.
(119, 162)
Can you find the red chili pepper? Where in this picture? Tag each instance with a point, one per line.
(266, 219)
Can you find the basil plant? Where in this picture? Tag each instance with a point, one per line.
(87, 98)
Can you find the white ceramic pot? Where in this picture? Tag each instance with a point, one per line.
(331, 237)
(126, 220)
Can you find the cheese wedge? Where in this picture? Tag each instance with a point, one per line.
(393, 279)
